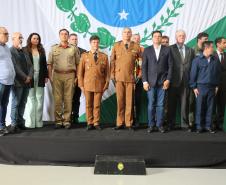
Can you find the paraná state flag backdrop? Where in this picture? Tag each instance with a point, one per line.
(106, 18)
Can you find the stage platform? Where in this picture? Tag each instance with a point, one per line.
(78, 147)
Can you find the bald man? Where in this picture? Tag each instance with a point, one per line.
(24, 73)
(178, 93)
(7, 75)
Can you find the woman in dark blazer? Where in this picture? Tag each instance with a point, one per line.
(34, 107)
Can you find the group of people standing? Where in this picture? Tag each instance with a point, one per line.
(173, 76)
(24, 74)
(189, 79)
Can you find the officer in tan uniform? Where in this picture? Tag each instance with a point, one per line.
(123, 57)
(93, 79)
(62, 62)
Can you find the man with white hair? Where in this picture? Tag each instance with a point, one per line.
(7, 75)
(24, 73)
(178, 93)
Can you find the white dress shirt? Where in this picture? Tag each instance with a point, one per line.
(157, 51)
(219, 54)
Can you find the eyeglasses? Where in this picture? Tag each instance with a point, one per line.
(5, 33)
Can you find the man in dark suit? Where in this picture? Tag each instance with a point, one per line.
(24, 73)
(178, 93)
(220, 55)
(73, 40)
(156, 77)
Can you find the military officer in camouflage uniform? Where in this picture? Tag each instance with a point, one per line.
(62, 62)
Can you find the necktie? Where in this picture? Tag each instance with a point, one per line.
(127, 46)
(222, 58)
(95, 56)
(181, 53)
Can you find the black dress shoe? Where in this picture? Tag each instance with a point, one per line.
(89, 127)
(210, 130)
(131, 128)
(199, 131)
(68, 126)
(162, 129)
(58, 126)
(150, 129)
(119, 127)
(2, 132)
(97, 127)
(21, 127)
(12, 129)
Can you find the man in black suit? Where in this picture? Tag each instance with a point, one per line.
(156, 77)
(220, 55)
(73, 39)
(178, 93)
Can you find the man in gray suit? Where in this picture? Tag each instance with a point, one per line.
(178, 93)
(24, 73)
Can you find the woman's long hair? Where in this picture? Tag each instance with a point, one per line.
(41, 50)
